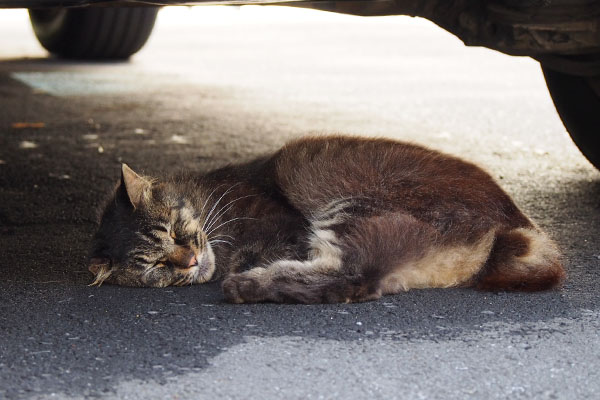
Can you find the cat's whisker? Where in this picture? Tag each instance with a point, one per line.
(222, 235)
(209, 222)
(101, 276)
(227, 222)
(208, 215)
(185, 279)
(224, 209)
(208, 198)
(179, 281)
(212, 242)
(217, 203)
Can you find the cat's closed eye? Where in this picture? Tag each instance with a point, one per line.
(162, 262)
(160, 228)
(180, 240)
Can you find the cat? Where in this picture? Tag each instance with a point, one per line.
(324, 220)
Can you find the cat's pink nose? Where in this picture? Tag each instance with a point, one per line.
(193, 261)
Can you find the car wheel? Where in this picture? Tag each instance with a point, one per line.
(577, 100)
(93, 33)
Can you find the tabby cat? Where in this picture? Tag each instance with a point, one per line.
(322, 220)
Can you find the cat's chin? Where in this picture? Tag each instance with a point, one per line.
(205, 266)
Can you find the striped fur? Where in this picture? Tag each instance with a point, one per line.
(329, 219)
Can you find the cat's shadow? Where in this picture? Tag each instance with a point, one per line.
(430, 315)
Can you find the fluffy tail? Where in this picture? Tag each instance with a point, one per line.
(522, 259)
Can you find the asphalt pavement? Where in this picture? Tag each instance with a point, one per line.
(215, 86)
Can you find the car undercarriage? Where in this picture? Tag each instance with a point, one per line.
(563, 35)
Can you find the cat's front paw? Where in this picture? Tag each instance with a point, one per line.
(246, 287)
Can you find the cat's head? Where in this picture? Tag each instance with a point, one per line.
(150, 235)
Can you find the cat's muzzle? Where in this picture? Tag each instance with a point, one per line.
(204, 263)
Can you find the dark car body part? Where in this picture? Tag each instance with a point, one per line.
(543, 29)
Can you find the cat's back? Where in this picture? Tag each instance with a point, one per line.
(370, 159)
(352, 164)
(315, 170)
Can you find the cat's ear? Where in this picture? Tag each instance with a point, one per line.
(135, 186)
(101, 268)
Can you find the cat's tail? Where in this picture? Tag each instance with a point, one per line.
(521, 259)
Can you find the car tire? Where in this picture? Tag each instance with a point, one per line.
(577, 100)
(93, 33)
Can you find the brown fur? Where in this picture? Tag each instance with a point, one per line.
(521, 260)
(330, 219)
